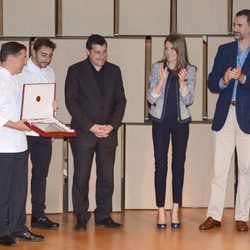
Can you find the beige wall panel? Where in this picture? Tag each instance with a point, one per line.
(24, 42)
(83, 17)
(117, 180)
(202, 16)
(144, 17)
(199, 169)
(28, 18)
(54, 191)
(213, 44)
(68, 52)
(129, 55)
(240, 5)
(157, 48)
(194, 47)
(139, 169)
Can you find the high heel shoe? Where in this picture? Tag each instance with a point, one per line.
(174, 225)
(161, 226)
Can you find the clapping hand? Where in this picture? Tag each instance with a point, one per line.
(233, 73)
(182, 78)
(163, 72)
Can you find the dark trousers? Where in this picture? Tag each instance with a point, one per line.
(162, 132)
(13, 192)
(83, 158)
(40, 150)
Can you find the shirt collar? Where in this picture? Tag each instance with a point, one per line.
(239, 49)
(93, 68)
(32, 66)
(5, 71)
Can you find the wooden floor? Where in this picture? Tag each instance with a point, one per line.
(140, 233)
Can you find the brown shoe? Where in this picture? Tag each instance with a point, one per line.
(241, 226)
(209, 223)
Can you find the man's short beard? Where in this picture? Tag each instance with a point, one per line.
(238, 38)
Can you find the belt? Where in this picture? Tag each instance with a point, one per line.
(233, 103)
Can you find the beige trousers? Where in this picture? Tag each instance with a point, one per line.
(225, 141)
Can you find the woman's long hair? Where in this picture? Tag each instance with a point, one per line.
(180, 47)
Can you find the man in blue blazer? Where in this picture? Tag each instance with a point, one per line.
(230, 77)
(95, 99)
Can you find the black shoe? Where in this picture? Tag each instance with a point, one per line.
(27, 235)
(7, 241)
(161, 226)
(43, 222)
(81, 223)
(175, 225)
(108, 223)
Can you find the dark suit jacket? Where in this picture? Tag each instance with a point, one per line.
(88, 107)
(226, 57)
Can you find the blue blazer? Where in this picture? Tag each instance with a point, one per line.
(226, 57)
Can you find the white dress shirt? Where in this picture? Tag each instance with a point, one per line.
(11, 140)
(33, 74)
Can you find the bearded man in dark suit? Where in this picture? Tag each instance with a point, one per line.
(95, 99)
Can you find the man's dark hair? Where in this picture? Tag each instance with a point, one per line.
(95, 39)
(245, 12)
(43, 42)
(10, 48)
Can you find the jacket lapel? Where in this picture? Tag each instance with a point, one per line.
(106, 83)
(246, 65)
(234, 53)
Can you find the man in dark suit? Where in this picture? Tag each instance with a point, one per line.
(230, 77)
(95, 99)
